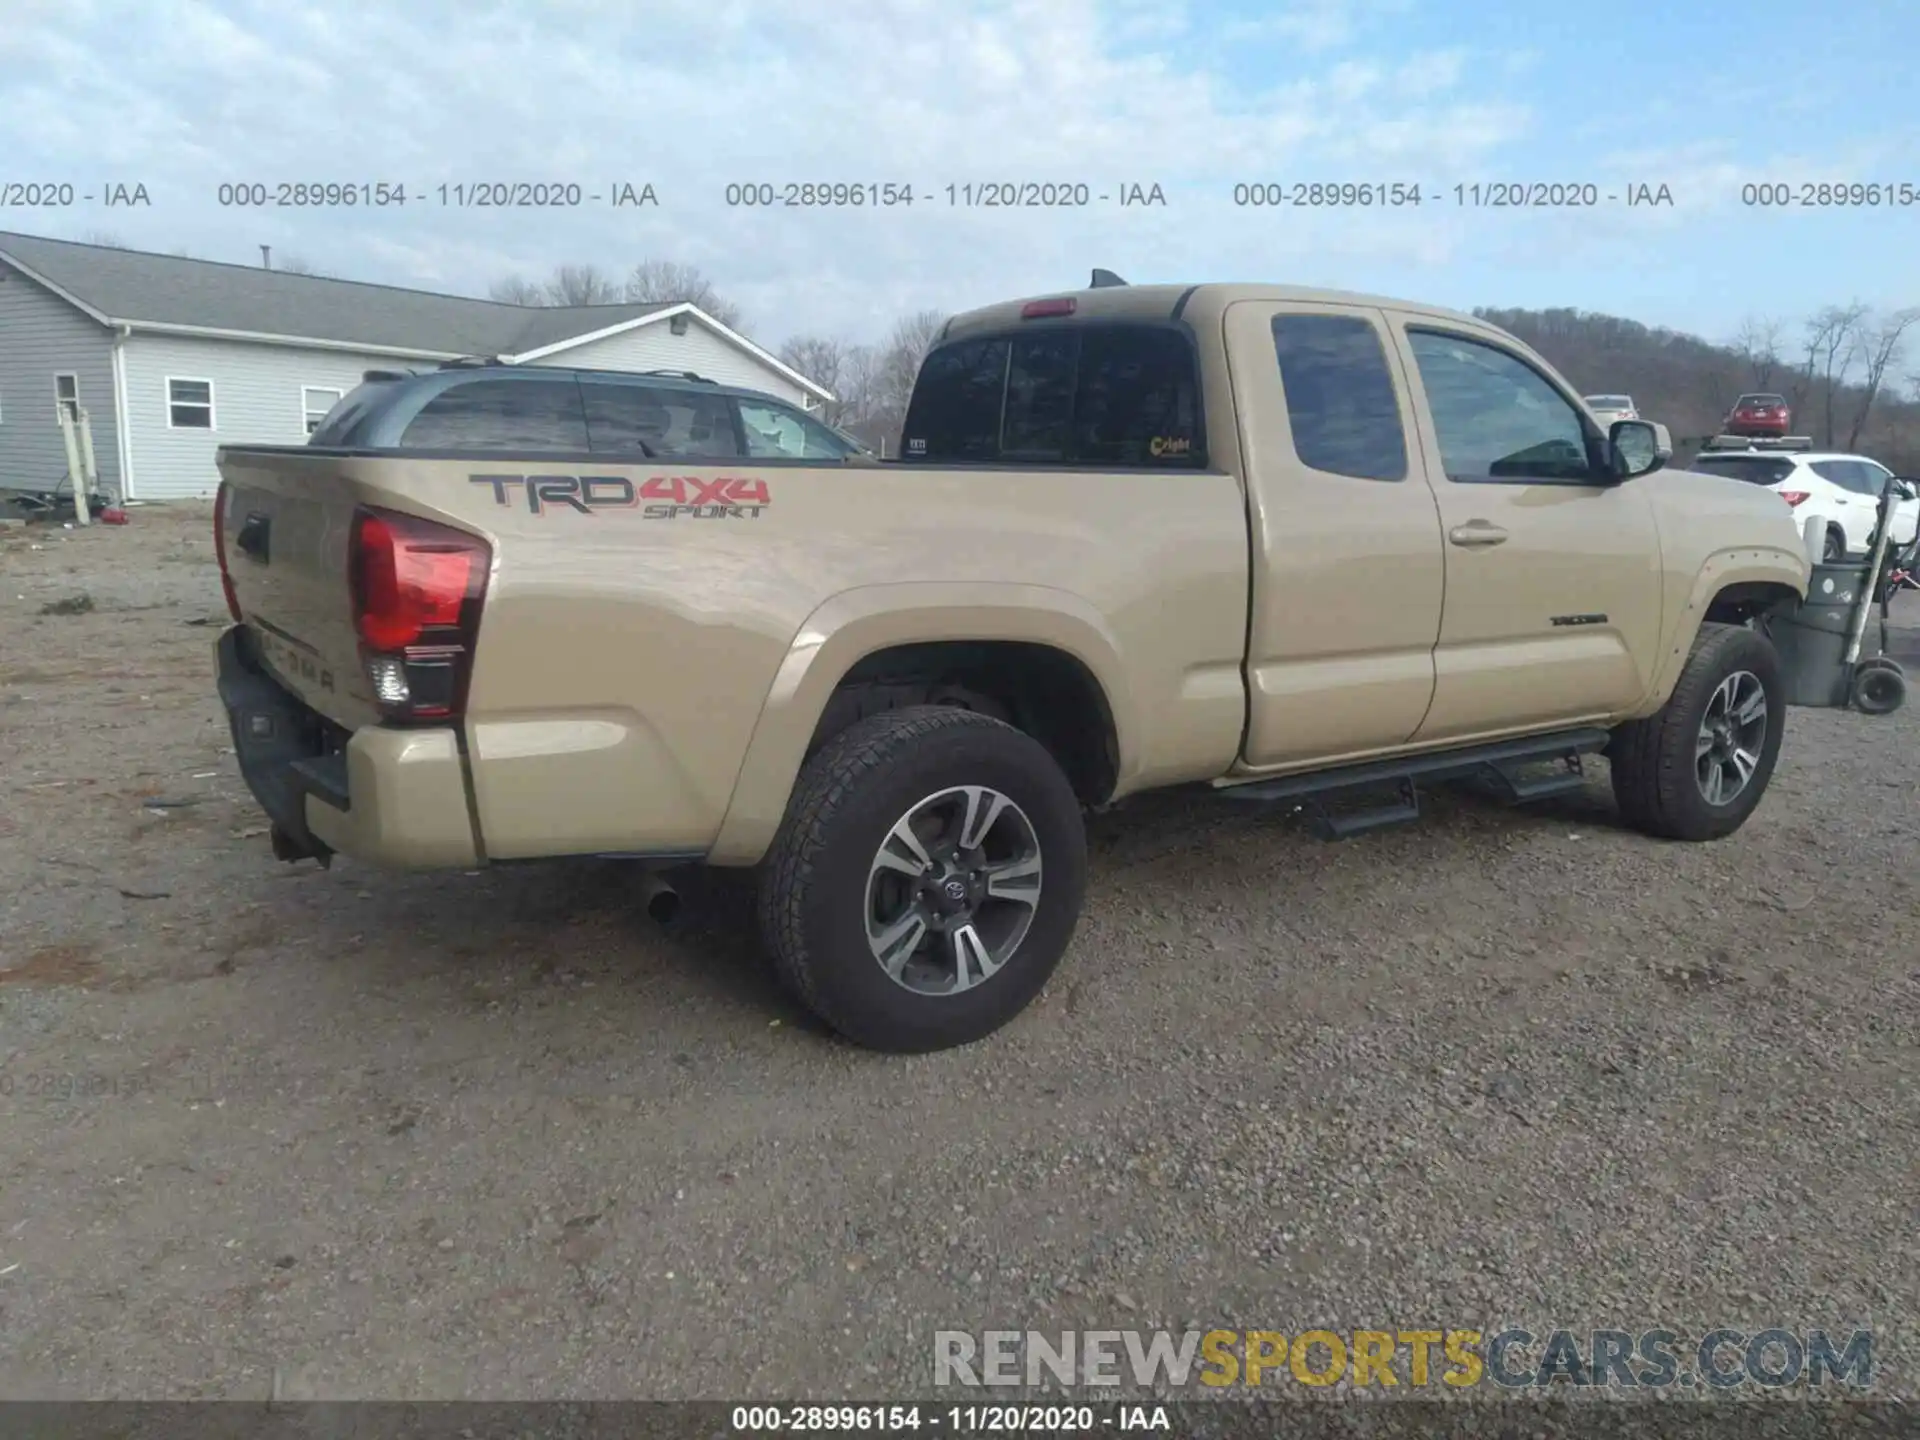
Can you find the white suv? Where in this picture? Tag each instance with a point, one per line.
(1844, 489)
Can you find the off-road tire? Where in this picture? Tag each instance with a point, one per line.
(813, 882)
(1653, 761)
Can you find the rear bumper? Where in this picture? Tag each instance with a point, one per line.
(391, 797)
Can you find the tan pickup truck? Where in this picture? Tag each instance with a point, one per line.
(1311, 549)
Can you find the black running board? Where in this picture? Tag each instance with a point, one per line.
(1502, 765)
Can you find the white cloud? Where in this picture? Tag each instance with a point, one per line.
(1314, 26)
(694, 94)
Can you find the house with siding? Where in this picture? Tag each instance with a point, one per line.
(172, 357)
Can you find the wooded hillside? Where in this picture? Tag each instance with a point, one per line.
(1844, 371)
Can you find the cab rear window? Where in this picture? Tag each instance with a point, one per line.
(1110, 395)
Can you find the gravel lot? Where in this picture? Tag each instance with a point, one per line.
(350, 1134)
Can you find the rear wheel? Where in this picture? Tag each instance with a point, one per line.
(1834, 549)
(1696, 768)
(926, 879)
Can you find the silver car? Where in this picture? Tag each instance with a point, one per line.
(1609, 408)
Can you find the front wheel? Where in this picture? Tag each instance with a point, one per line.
(926, 878)
(1697, 767)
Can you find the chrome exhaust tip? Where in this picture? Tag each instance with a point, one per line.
(661, 900)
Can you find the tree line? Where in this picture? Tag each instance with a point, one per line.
(1844, 371)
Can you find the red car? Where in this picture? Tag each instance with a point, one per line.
(1758, 415)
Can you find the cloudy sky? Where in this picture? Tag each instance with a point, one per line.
(691, 96)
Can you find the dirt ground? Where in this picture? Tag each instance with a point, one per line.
(272, 1129)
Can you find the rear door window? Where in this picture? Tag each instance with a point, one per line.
(779, 432)
(1877, 475)
(1869, 478)
(502, 415)
(1341, 402)
(1861, 477)
(641, 420)
(1096, 395)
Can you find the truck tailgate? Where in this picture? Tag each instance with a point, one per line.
(285, 532)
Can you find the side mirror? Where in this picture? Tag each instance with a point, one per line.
(1906, 489)
(1637, 447)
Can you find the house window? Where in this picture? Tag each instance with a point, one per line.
(190, 404)
(315, 402)
(66, 395)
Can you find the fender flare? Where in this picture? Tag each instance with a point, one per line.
(1738, 565)
(857, 623)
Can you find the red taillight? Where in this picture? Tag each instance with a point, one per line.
(1794, 497)
(220, 499)
(1037, 309)
(417, 590)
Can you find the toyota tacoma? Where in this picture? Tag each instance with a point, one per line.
(1307, 548)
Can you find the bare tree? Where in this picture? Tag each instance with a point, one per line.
(872, 384)
(1758, 344)
(1833, 343)
(862, 415)
(666, 282)
(828, 362)
(105, 239)
(898, 365)
(517, 290)
(295, 265)
(1880, 347)
(581, 285)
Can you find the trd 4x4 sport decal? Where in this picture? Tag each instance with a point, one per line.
(659, 497)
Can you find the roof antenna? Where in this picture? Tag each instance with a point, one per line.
(1103, 278)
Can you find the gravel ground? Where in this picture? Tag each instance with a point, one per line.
(351, 1134)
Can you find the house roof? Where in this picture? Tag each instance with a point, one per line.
(137, 288)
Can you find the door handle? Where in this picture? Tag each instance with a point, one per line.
(1476, 533)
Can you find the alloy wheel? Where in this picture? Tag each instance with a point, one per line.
(952, 890)
(1733, 733)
